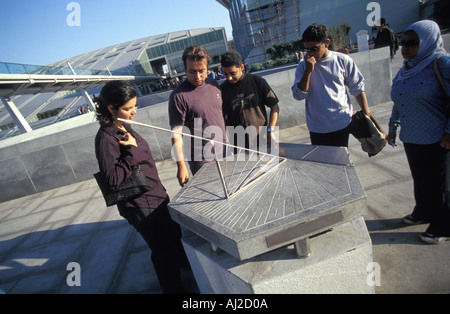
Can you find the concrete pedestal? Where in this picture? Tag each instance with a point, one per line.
(338, 263)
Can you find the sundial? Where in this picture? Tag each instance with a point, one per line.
(290, 200)
(251, 202)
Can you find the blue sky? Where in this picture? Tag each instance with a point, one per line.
(37, 32)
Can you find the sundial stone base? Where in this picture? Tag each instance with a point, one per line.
(338, 264)
(244, 244)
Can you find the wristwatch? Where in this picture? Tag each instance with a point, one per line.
(270, 129)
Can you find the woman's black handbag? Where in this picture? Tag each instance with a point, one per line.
(135, 185)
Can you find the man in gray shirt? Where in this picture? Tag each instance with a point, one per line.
(321, 78)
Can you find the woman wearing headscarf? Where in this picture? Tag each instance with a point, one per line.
(420, 111)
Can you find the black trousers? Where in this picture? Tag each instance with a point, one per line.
(429, 164)
(338, 138)
(163, 236)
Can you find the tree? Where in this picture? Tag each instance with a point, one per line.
(280, 50)
(297, 45)
(339, 35)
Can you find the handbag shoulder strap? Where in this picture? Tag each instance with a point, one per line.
(441, 80)
(438, 74)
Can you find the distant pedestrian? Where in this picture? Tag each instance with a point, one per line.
(420, 105)
(211, 74)
(386, 37)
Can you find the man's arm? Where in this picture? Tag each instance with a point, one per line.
(177, 144)
(273, 118)
(303, 85)
(362, 101)
(355, 83)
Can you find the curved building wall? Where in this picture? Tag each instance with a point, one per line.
(171, 51)
(155, 55)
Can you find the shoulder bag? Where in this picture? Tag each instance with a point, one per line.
(135, 185)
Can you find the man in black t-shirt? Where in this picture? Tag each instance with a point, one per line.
(245, 98)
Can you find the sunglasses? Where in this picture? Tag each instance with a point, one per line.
(410, 43)
(313, 49)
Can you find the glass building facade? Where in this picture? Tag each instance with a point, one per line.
(15, 68)
(169, 55)
(258, 24)
(159, 55)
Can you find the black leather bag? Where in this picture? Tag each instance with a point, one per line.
(135, 185)
(368, 132)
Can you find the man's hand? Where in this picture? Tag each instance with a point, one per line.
(391, 139)
(182, 173)
(128, 139)
(445, 143)
(303, 85)
(310, 62)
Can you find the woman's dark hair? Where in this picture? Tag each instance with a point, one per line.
(115, 93)
(316, 33)
(196, 53)
(231, 58)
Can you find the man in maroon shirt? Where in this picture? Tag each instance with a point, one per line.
(196, 104)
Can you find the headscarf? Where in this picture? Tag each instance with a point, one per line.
(431, 46)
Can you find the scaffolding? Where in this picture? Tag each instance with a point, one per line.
(268, 22)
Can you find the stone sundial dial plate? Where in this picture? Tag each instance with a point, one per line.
(293, 200)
